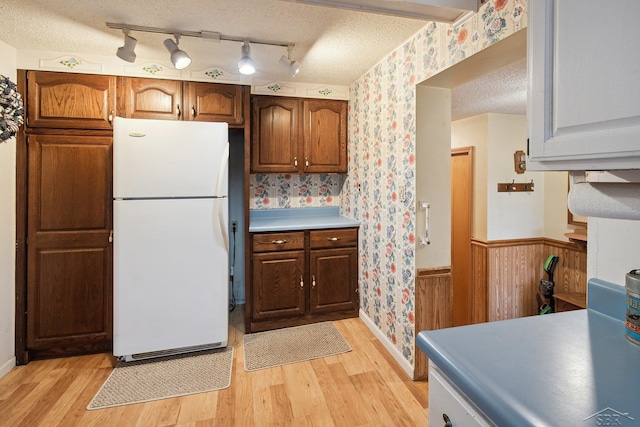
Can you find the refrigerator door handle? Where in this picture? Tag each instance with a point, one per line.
(222, 170)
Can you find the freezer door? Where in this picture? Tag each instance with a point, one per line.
(163, 158)
(171, 275)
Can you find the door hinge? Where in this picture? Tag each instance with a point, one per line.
(111, 236)
(16, 245)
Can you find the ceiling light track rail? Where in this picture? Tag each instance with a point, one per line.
(209, 35)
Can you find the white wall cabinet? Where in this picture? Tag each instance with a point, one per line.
(448, 407)
(584, 85)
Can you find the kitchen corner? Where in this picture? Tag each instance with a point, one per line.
(303, 269)
(562, 369)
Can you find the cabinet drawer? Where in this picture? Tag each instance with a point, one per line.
(447, 404)
(335, 238)
(278, 241)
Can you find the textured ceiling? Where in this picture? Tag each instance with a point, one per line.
(500, 91)
(335, 46)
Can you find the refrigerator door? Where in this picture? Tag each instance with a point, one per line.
(162, 158)
(170, 275)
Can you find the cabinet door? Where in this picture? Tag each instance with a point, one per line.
(212, 102)
(584, 112)
(276, 138)
(334, 279)
(150, 98)
(325, 136)
(69, 257)
(278, 285)
(70, 101)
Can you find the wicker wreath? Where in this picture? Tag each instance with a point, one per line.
(11, 109)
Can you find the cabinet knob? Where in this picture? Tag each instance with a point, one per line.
(306, 162)
(295, 161)
(313, 281)
(278, 242)
(178, 112)
(301, 282)
(110, 118)
(193, 111)
(447, 421)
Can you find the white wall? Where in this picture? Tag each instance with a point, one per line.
(541, 213)
(7, 229)
(473, 132)
(433, 174)
(556, 190)
(511, 215)
(613, 249)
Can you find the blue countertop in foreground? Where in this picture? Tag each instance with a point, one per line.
(565, 369)
(261, 220)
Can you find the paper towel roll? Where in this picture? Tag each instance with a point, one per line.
(605, 200)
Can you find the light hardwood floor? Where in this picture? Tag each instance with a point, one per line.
(364, 387)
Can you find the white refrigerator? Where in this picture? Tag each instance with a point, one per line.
(170, 238)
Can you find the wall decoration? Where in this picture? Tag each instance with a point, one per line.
(11, 109)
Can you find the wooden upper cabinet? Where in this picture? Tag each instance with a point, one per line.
(299, 135)
(275, 141)
(325, 136)
(142, 98)
(70, 101)
(212, 102)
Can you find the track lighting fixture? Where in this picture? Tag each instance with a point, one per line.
(126, 52)
(179, 58)
(293, 66)
(246, 65)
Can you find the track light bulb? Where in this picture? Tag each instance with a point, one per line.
(246, 65)
(293, 66)
(179, 58)
(127, 52)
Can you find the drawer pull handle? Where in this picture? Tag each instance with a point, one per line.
(193, 111)
(301, 283)
(306, 162)
(313, 281)
(278, 242)
(447, 421)
(178, 112)
(295, 162)
(333, 239)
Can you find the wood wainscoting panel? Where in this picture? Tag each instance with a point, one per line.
(570, 274)
(479, 281)
(514, 270)
(433, 309)
(514, 273)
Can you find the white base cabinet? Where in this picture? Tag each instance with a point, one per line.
(448, 407)
(584, 85)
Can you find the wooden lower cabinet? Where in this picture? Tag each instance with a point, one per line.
(278, 285)
(302, 277)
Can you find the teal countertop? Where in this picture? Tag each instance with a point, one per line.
(572, 368)
(262, 220)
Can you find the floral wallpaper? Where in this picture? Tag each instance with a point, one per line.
(379, 190)
(270, 191)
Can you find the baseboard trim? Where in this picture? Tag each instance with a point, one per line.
(7, 366)
(392, 349)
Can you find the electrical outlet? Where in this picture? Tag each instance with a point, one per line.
(234, 225)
